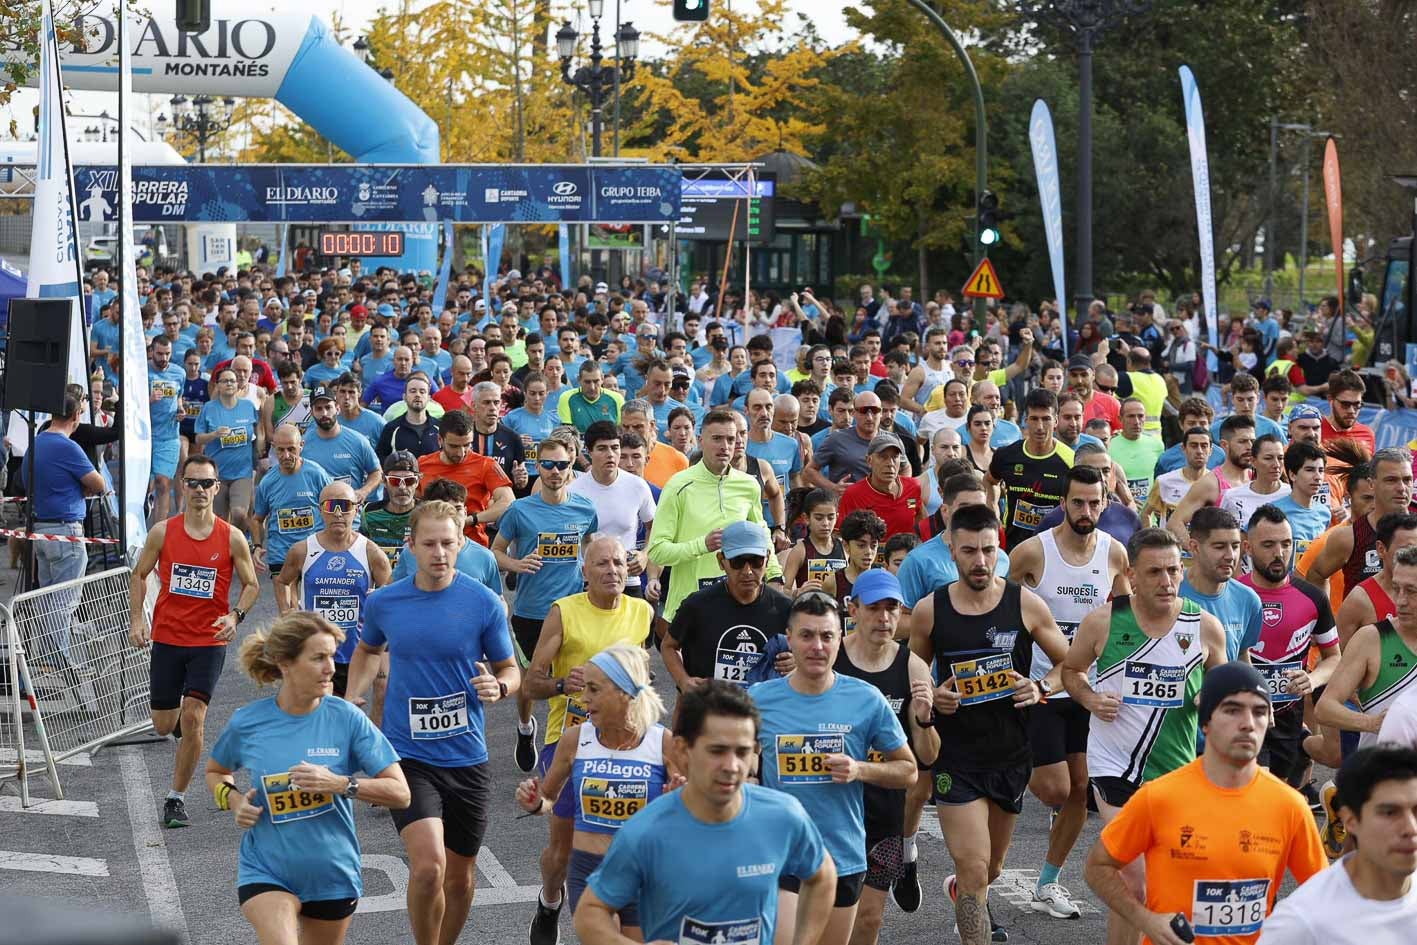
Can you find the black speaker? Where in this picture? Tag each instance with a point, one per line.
(194, 16)
(37, 354)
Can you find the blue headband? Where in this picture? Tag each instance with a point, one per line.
(611, 667)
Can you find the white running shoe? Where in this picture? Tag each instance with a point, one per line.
(1056, 901)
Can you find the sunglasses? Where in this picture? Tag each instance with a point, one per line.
(964, 364)
(868, 411)
(199, 483)
(336, 505)
(402, 479)
(1107, 390)
(756, 562)
(560, 465)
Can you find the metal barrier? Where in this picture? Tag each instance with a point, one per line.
(71, 670)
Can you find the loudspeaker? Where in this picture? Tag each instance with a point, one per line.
(37, 354)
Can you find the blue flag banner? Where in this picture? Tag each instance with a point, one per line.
(496, 236)
(1200, 178)
(445, 271)
(563, 246)
(1045, 166)
(137, 423)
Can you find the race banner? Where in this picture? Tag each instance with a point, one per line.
(137, 424)
(1200, 178)
(1333, 197)
(1045, 166)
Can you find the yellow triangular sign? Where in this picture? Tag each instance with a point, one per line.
(984, 282)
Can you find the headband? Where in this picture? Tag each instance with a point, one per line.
(611, 667)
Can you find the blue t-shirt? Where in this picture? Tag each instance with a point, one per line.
(783, 454)
(555, 532)
(929, 566)
(108, 336)
(290, 504)
(1307, 524)
(321, 373)
(532, 428)
(1239, 611)
(61, 464)
(1116, 520)
(730, 895)
(347, 456)
(384, 391)
(1005, 432)
(369, 423)
(304, 842)
(433, 369)
(473, 560)
(168, 383)
(435, 638)
(372, 367)
(195, 392)
(850, 718)
(232, 452)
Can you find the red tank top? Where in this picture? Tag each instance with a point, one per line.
(1383, 607)
(196, 578)
(1363, 561)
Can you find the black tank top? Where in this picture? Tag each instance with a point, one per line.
(844, 585)
(885, 807)
(815, 566)
(1363, 561)
(986, 732)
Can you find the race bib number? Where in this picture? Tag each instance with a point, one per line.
(164, 389)
(286, 804)
(1029, 516)
(1229, 906)
(983, 680)
(1069, 629)
(737, 932)
(609, 802)
(192, 409)
(875, 757)
(557, 546)
(802, 759)
(735, 665)
(1158, 687)
(576, 712)
(338, 609)
(530, 448)
(190, 580)
(1276, 680)
(237, 437)
(709, 581)
(438, 717)
(1141, 488)
(819, 568)
(296, 519)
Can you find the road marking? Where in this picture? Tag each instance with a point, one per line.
(1016, 888)
(494, 871)
(503, 889)
(12, 805)
(393, 867)
(51, 863)
(34, 756)
(159, 884)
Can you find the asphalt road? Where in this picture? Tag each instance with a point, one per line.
(102, 850)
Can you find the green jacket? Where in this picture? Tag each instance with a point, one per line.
(693, 503)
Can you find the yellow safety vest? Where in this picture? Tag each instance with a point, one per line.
(1150, 389)
(1281, 369)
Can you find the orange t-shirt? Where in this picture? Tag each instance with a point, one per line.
(664, 461)
(1216, 855)
(1311, 554)
(479, 474)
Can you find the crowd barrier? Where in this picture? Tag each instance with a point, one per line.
(70, 676)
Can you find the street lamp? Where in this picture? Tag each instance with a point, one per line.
(1086, 20)
(597, 79)
(203, 118)
(362, 50)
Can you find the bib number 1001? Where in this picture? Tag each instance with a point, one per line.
(438, 717)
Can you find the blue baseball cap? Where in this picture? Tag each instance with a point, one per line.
(876, 585)
(1305, 412)
(745, 538)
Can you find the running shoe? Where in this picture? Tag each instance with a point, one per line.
(906, 888)
(526, 748)
(997, 933)
(546, 924)
(174, 814)
(1311, 794)
(1056, 901)
(1334, 833)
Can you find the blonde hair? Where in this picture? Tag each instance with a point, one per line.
(645, 708)
(263, 651)
(435, 509)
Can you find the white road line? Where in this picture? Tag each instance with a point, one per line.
(502, 891)
(36, 757)
(11, 805)
(50, 863)
(494, 871)
(394, 868)
(159, 884)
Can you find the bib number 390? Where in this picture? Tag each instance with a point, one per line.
(438, 717)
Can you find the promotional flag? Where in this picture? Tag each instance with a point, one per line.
(495, 238)
(1333, 197)
(1045, 166)
(445, 271)
(564, 251)
(1200, 178)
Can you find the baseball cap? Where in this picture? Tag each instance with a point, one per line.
(884, 441)
(681, 375)
(401, 461)
(1262, 303)
(480, 305)
(745, 538)
(876, 585)
(309, 293)
(1305, 412)
(387, 310)
(601, 287)
(322, 392)
(1079, 362)
(514, 274)
(358, 311)
(1223, 681)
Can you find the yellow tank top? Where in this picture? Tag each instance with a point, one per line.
(585, 631)
(1150, 389)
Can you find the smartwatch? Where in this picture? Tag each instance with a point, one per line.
(352, 790)
(240, 614)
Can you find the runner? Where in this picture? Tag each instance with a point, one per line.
(1215, 552)
(931, 564)
(332, 572)
(1351, 547)
(1237, 436)
(1171, 487)
(289, 404)
(439, 626)
(1216, 836)
(576, 628)
(1143, 711)
(978, 634)
(622, 500)
(1304, 463)
(1031, 470)
(874, 655)
(298, 871)
(1371, 600)
(165, 383)
(226, 431)
(489, 491)
(1136, 448)
(342, 452)
(386, 521)
(818, 729)
(820, 551)
(532, 421)
(540, 539)
(744, 839)
(1365, 898)
(1267, 460)
(861, 535)
(612, 764)
(195, 555)
(1074, 567)
(284, 510)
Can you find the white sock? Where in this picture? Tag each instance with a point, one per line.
(526, 728)
(549, 905)
(177, 796)
(910, 852)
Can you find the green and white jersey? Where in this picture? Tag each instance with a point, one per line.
(1397, 672)
(1158, 680)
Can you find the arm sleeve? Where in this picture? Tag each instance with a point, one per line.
(663, 548)
(261, 505)
(1325, 634)
(371, 751)
(1129, 835)
(681, 628)
(370, 631)
(1306, 852)
(1256, 626)
(1286, 927)
(646, 512)
(368, 458)
(563, 408)
(227, 750)
(496, 636)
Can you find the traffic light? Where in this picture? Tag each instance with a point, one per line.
(989, 218)
(691, 11)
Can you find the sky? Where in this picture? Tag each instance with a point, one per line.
(648, 16)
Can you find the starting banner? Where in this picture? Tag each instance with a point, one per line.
(352, 193)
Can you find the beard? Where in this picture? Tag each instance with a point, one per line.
(325, 423)
(1082, 527)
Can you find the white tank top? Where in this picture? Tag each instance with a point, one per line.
(1241, 501)
(1173, 487)
(933, 379)
(1071, 593)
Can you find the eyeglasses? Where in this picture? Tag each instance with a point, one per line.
(402, 479)
(756, 562)
(964, 364)
(560, 465)
(199, 483)
(1349, 404)
(336, 505)
(868, 411)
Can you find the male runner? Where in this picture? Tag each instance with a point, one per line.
(1371, 600)
(195, 554)
(1074, 567)
(284, 510)
(978, 633)
(1216, 836)
(1304, 463)
(1136, 449)
(165, 383)
(386, 521)
(1171, 487)
(1237, 436)
(1030, 470)
(439, 626)
(1215, 555)
(1148, 649)
(1351, 547)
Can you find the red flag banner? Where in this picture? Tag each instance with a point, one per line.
(1333, 196)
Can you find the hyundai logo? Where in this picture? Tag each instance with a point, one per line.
(564, 188)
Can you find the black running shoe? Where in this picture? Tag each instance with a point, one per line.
(526, 748)
(997, 933)
(906, 889)
(174, 814)
(546, 924)
(1311, 795)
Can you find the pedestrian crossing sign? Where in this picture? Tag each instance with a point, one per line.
(984, 282)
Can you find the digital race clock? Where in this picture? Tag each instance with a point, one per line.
(361, 243)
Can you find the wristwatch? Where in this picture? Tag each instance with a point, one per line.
(1044, 689)
(561, 687)
(352, 791)
(240, 614)
(501, 689)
